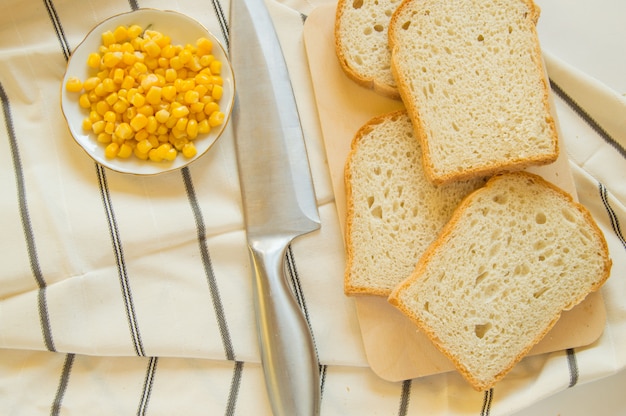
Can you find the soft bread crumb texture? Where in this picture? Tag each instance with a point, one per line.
(515, 255)
(361, 43)
(393, 211)
(471, 75)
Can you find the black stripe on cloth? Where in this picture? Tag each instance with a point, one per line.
(147, 386)
(612, 216)
(208, 267)
(223, 21)
(134, 5)
(54, 18)
(42, 304)
(587, 118)
(404, 398)
(119, 259)
(486, 409)
(234, 388)
(63, 382)
(572, 364)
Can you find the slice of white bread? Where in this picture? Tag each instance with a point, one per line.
(515, 254)
(471, 75)
(361, 43)
(393, 211)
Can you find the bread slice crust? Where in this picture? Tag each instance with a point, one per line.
(393, 211)
(486, 296)
(471, 75)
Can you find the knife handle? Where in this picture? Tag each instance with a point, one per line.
(287, 353)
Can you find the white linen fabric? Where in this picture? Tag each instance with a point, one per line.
(122, 294)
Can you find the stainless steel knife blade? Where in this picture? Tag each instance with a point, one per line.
(278, 201)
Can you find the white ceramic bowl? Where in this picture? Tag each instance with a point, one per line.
(182, 30)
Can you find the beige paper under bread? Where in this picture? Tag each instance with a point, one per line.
(395, 349)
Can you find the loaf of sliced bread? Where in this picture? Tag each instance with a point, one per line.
(515, 254)
(393, 211)
(361, 43)
(471, 75)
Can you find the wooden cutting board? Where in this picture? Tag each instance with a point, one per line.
(396, 350)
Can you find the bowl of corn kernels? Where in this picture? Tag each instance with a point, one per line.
(148, 91)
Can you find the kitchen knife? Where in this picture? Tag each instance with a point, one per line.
(278, 202)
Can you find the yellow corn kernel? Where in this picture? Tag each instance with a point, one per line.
(93, 60)
(153, 96)
(178, 133)
(128, 82)
(184, 56)
(152, 125)
(98, 126)
(180, 111)
(142, 135)
(203, 126)
(99, 90)
(216, 67)
(118, 75)
(162, 115)
(206, 60)
(191, 96)
(216, 118)
(108, 85)
(104, 138)
(120, 34)
(111, 98)
(194, 64)
(102, 107)
(139, 122)
(146, 109)
(171, 154)
(217, 92)
(83, 101)
(154, 155)
(109, 127)
(137, 99)
(168, 93)
(91, 83)
(192, 129)
(163, 149)
(87, 123)
(217, 80)
(120, 106)
(151, 48)
(189, 150)
(109, 116)
(176, 63)
(151, 63)
(108, 38)
(74, 84)
(111, 150)
(211, 107)
(125, 151)
(144, 146)
(202, 78)
(204, 46)
(154, 140)
(164, 138)
(181, 124)
(94, 116)
(110, 59)
(134, 31)
(196, 108)
(124, 131)
(139, 154)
